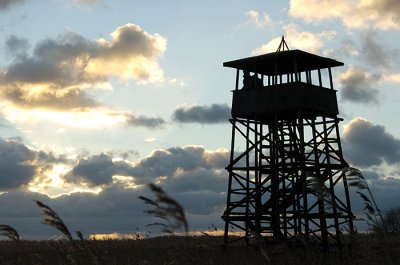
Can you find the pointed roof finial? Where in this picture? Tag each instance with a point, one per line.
(282, 45)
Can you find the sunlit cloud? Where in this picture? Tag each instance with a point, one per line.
(394, 77)
(91, 119)
(257, 19)
(177, 82)
(382, 14)
(150, 140)
(98, 118)
(51, 181)
(297, 39)
(125, 181)
(60, 71)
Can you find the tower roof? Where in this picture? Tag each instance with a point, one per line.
(283, 62)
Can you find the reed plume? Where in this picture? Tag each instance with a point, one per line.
(79, 235)
(356, 179)
(167, 209)
(51, 218)
(10, 232)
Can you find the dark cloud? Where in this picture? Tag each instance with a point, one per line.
(5, 4)
(189, 169)
(96, 170)
(192, 175)
(19, 164)
(386, 192)
(215, 113)
(358, 86)
(58, 71)
(17, 46)
(176, 160)
(145, 121)
(115, 209)
(177, 163)
(376, 53)
(15, 164)
(202, 202)
(367, 144)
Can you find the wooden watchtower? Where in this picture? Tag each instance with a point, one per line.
(286, 165)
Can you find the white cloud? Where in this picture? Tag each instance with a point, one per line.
(150, 140)
(297, 39)
(382, 14)
(257, 19)
(393, 77)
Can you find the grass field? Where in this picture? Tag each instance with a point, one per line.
(364, 249)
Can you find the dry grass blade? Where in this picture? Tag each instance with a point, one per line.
(79, 235)
(356, 179)
(51, 218)
(148, 201)
(166, 208)
(9, 231)
(318, 188)
(157, 224)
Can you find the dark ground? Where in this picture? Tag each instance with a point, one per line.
(364, 249)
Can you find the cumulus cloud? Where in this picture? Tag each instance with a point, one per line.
(375, 52)
(382, 14)
(358, 86)
(257, 19)
(59, 70)
(145, 121)
(183, 163)
(97, 170)
(191, 174)
(17, 46)
(15, 164)
(5, 4)
(368, 144)
(215, 113)
(115, 209)
(19, 164)
(297, 39)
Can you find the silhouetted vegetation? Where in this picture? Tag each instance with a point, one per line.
(9, 232)
(366, 249)
(391, 221)
(51, 218)
(167, 209)
(358, 248)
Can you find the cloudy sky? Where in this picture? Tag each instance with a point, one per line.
(99, 98)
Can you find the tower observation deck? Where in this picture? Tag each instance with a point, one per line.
(286, 165)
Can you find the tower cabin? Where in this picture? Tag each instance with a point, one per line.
(282, 83)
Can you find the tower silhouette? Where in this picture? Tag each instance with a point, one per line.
(286, 176)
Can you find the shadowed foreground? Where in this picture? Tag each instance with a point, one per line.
(365, 249)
